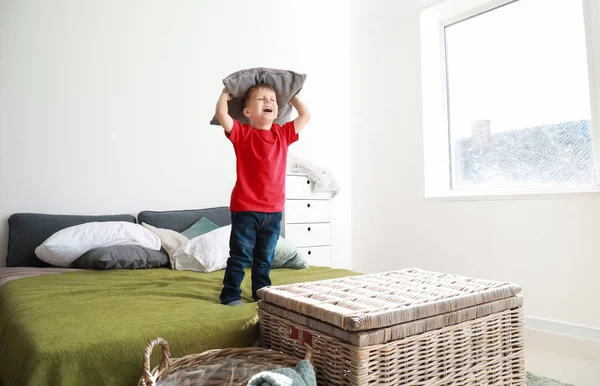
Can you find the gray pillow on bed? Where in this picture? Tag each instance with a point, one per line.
(121, 257)
(286, 84)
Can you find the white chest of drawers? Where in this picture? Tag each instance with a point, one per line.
(307, 219)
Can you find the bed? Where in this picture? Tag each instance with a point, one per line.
(90, 327)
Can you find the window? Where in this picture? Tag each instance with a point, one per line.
(509, 100)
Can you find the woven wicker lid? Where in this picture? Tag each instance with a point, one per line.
(384, 299)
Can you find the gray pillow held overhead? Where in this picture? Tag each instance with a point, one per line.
(286, 84)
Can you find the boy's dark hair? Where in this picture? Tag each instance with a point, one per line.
(254, 88)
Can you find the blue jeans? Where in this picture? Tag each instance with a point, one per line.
(252, 242)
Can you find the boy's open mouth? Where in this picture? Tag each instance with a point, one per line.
(267, 110)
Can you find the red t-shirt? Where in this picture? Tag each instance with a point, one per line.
(261, 158)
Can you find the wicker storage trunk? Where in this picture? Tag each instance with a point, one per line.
(409, 327)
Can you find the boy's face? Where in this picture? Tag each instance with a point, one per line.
(261, 107)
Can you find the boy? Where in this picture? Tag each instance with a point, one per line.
(257, 200)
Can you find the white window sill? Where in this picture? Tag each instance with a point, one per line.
(516, 193)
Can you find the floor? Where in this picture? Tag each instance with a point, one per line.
(565, 358)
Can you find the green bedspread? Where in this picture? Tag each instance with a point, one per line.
(91, 327)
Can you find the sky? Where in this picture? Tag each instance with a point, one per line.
(521, 65)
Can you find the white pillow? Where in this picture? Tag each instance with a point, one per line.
(170, 240)
(67, 245)
(206, 253)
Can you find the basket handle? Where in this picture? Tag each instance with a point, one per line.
(164, 362)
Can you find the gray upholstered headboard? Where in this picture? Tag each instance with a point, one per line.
(180, 220)
(26, 231)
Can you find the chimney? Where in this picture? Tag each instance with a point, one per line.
(481, 134)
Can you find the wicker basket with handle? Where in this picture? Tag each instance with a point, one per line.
(253, 358)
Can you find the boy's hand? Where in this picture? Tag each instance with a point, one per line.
(294, 99)
(222, 111)
(303, 113)
(229, 96)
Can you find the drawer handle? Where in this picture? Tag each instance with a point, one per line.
(307, 182)
(309, 229)
(308, 205)
(309, 252)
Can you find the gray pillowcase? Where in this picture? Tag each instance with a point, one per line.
(121, 257)
(286, 84)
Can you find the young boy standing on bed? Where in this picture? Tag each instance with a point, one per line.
(258, 198)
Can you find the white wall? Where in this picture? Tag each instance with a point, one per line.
(551, 247)
(104, 108)
(104, 105)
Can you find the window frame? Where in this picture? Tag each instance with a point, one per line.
(435, 108)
